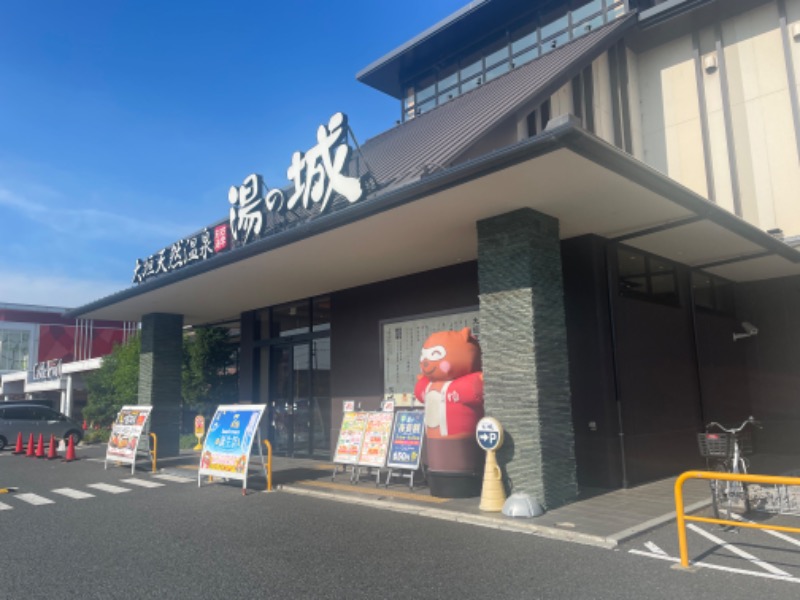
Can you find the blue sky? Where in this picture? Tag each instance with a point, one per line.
(124, 122)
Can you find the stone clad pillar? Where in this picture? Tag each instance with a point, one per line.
(160, 365)
(525, 362)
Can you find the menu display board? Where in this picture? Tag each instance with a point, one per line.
(376, 439)
(402, 344)
(126, 432)
(405, 448)
(226, 450)
(351, 437)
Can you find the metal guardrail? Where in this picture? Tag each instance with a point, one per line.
(721, 476)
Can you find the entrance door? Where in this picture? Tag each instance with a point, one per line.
(299, 399)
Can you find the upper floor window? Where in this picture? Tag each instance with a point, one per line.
(646, 277)
(547, 31)
(713, 293)
(14, 349)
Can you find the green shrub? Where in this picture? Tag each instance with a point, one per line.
(188, 441)
(96, 436)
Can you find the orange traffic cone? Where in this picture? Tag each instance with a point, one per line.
(51, 450)
(40, 447)
(29, 451)
(70, 450)
(19, 449)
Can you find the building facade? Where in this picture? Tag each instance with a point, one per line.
(602, 189)
(44, 355)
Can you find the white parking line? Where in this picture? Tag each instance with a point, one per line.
(746, 555)
(107, 487)
(34, 499)
(717, 567)
(176, 478)
(777, 534)
(4, 506)
(654, 549)
(74, 494)
(142, 483)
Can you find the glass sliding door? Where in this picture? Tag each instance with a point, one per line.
(297, 342)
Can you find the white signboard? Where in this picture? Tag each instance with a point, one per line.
(126, 433)
(402, 344)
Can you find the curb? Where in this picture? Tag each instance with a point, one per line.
(500, 523)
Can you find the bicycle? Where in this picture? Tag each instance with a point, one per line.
(725, 451)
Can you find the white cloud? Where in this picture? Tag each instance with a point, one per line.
(91, 223)
(46, 290)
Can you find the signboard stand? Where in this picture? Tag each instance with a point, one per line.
(229, 441)
(127, 430)
(348, 446)
(375, 447)
(405, 448)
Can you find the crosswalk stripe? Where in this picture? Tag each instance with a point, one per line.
(34, 499)
(4, 506)
(143, 483)
(107, 487)
(74, 494)
(176, 478)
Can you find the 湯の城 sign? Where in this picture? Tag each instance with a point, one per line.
(317, 176)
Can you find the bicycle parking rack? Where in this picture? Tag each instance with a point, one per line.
(720, 476)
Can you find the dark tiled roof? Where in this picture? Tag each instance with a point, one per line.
(434, 139)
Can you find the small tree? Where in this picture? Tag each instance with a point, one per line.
(114, 384)
(208, 375)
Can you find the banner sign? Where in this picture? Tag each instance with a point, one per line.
(402, 344)
(405, 449)
(317, 177)
(376, 439)
(351, 437)
(125, 433)
(47, 370)
(226, 450)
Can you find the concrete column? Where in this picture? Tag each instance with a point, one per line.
(525, 362)
(66, 397)
(160, 365)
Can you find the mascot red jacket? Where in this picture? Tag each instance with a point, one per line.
(451, 384)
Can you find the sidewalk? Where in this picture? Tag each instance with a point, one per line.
(603, 520)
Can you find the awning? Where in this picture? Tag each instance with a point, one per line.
(590, 186)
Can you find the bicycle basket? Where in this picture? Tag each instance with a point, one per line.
(715, 444)
(720, 444)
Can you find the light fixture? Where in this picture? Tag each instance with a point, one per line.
(710, 63)
(749, 331)
(796, 31)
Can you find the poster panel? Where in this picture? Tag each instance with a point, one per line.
(402, 344)
(405, 448)
(351, 436)
(126, 432)
(226, 450)
(376, 439)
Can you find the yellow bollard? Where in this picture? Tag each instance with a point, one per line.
(489, 434)
(269, 465)
(154, 451)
